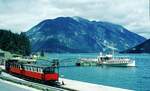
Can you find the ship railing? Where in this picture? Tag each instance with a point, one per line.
(119, 61)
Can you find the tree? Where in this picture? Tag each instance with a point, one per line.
(14, 43)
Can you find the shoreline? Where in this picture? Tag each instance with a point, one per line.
(74, 84)
(85, 86)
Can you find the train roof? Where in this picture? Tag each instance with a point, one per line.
(39, 66)
(24, 60)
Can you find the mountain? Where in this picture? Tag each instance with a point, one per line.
(141, 48)
(76, 34)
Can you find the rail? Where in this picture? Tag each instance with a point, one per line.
(38, 86)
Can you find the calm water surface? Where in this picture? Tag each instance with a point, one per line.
(134, 78)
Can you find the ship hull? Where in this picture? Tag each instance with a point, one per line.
(132, 64)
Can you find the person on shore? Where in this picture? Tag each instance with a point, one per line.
(63, 83)
(0, 71)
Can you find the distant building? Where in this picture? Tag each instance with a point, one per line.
(4, 55)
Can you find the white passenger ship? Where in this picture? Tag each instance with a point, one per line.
(115, 61)
(108, 60)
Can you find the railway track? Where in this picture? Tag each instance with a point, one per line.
(38, 86)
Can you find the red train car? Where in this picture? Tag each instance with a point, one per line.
(43, 73)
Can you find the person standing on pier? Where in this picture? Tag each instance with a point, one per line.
(0, 71)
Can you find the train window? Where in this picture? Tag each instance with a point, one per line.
(37, 70)
(27, 68)
(24, 67)
(40, 70)
(31, 69)
(48, 70)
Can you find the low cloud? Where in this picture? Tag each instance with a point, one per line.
(21, 15)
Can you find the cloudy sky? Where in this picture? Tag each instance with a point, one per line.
(21, 15)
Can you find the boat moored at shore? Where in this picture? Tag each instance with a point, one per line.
(108, 60)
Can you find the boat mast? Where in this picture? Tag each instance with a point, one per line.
(113, 50)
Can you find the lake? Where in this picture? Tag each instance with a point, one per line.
(133, 78)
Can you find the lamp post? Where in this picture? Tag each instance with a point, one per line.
(149, 10)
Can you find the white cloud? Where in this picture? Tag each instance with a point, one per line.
(21, 15)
